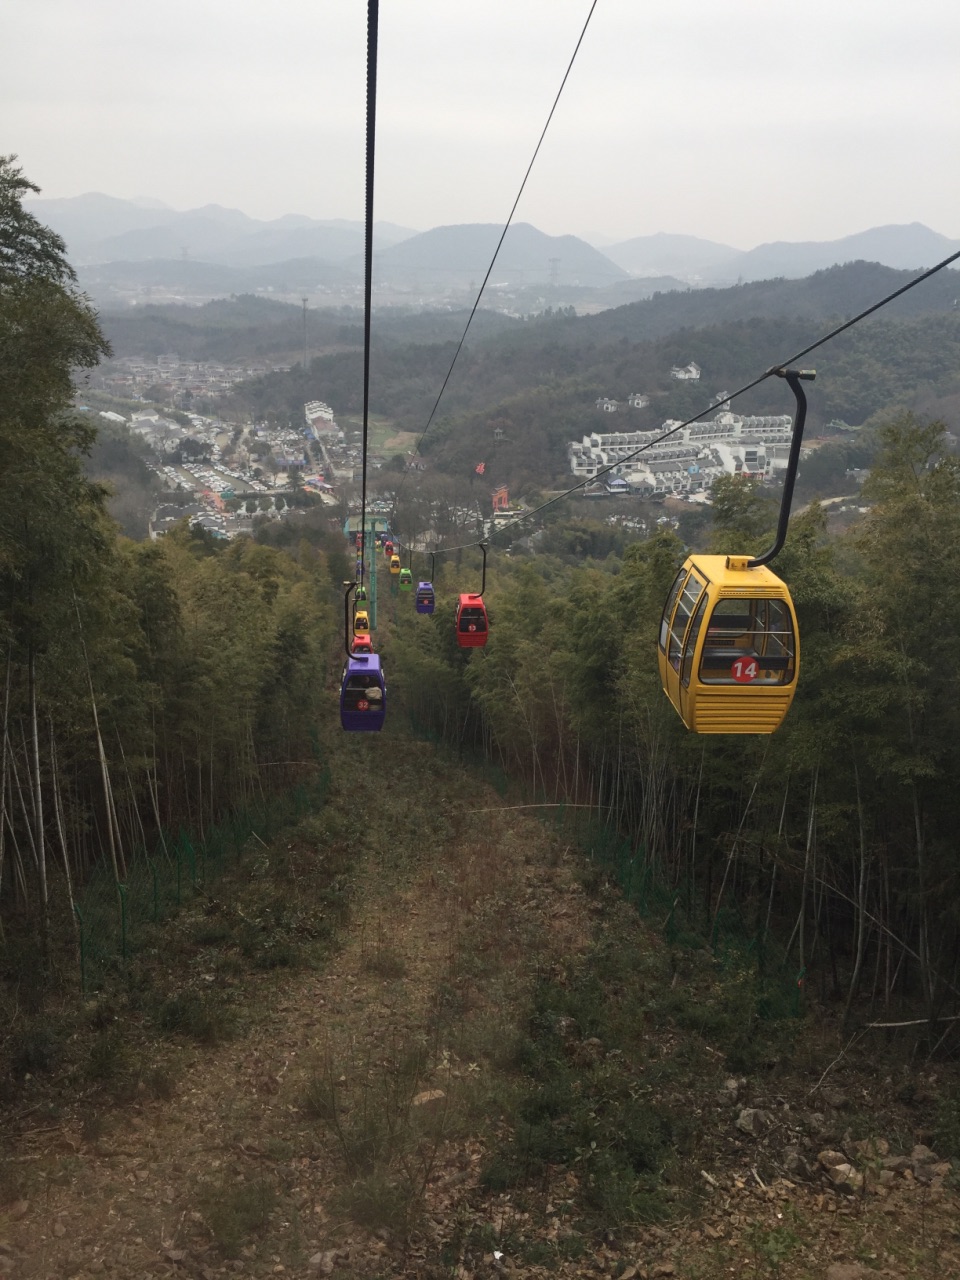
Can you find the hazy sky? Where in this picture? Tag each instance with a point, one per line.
(741, 121)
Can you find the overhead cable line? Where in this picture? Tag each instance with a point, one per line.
(769, 373)
(373, 24)
(506, 228)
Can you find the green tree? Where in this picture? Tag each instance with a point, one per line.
(742, 515)
(29, 251)
(52, 525)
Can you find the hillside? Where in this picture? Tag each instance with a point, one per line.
(441, 1008)
(830, 294)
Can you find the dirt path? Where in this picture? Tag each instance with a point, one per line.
(360, 1080)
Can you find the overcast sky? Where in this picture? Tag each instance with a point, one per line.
(740, 121)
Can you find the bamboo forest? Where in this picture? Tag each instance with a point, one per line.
(153, 687)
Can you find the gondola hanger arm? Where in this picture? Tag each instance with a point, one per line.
(793, 378)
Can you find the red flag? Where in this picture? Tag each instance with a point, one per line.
(480, 468)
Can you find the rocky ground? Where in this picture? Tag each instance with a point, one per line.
(336, 1114)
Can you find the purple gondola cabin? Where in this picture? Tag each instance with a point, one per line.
(363, 694)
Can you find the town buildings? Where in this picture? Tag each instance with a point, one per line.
(689, 459)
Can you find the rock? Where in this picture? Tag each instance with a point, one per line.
(872, 1148)
(845, 1178)
(323, 1262)
(923, 1155)
(664, 1269)
(847, 1271)
(19, 1209)
(835, 1098)
(831, 1159)
(814, 1122)
(427, 1096)
(730, 1091)
(795, 1164)
(896, 1164)
(754, 1121)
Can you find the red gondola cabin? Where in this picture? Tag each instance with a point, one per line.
(472, 622)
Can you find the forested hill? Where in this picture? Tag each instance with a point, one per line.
(540, 391)
(730, 333)
(872, 370)
(247, 327)
(837, 291)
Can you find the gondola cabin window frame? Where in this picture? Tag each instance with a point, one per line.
(688, 595)
(759, 645)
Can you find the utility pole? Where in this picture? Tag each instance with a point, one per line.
(371, 537)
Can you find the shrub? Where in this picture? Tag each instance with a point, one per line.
(197, 1016)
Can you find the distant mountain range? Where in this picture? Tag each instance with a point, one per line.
(704, 262)
(100, 228)
(456, 256)
(130, 249)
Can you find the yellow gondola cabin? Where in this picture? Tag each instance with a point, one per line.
(729, 648)
(361, 622)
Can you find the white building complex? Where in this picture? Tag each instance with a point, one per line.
(690, 460)
(319, 417)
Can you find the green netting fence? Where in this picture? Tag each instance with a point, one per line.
(776, 986)
(757, 962)
(112, 916)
